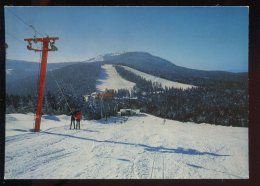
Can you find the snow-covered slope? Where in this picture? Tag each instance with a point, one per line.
(110, 79)
(133, 148)
(163, 81)
(104, 57)
(97, 58)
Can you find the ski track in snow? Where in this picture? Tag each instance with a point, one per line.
(139, 148)
(110, 79)
(163, 81)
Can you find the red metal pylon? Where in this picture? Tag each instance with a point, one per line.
(45, 49)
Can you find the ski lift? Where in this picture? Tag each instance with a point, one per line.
(35, 40)
(29, 46)
(53, 47)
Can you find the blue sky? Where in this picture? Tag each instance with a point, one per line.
(208, 38)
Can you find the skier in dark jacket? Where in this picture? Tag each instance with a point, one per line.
(72, 119)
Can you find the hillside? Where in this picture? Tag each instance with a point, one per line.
(138, 147)
(69, 76)
(160, 67)
(19, 69)
(110, 79)
(162, 81)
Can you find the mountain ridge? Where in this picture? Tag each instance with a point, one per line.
(20, 73)
(110, 57)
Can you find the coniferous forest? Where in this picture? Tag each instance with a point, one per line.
(221, 102)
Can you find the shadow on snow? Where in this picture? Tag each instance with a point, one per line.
(20, 130)
(200, 167)
(54, 118)
(87, 130)
(117, 119)
(112, 120)
(160, 149)
(102, 76)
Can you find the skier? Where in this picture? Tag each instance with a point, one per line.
(72, 119)
(78, 116)
(164, 121)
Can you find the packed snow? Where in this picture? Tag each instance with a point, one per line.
(103, 57)
(136, 147)
(164, 82)
(110, 79)
(97, 58)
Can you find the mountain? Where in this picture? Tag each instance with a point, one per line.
(104, 57)
(157, 66)
(23, 75)
(160, 67)
(20, 69)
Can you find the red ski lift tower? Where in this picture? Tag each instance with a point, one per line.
(46, 42)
